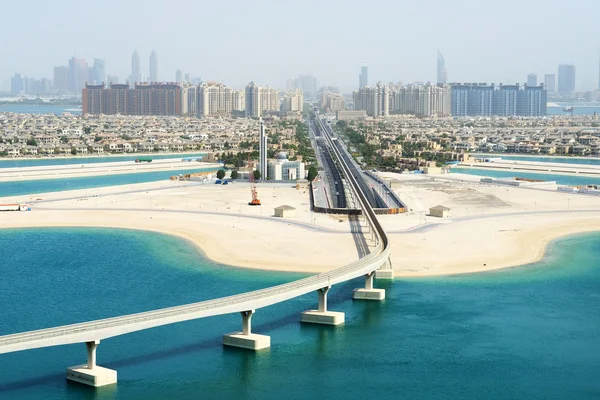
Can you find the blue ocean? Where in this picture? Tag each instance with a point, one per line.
(571, 180)
(39, 162)
(18, 188)
(529, 332)
(561, 160)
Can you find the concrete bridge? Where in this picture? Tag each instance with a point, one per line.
(92, 332)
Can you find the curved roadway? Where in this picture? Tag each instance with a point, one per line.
(106, 328)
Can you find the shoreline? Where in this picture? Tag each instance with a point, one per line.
(204, 241)
(536, 156)
(91, 170)
(107, 155)
(525, 170)
(527, 248)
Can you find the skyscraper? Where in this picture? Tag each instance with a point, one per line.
(531, 101)
(61, 78)
(550, 83)
(293, 101)
(442, 76)
(142, 99)
(421, 100)
(308, 84)
(16, 84)
(136, 73)
(263, 151)
(260, 99)
(374, 100)
(566, 79)
(98, 75)
(178, 76)
(477, 99)
(153, 67)
(363, 78)
(531, 79)
(79, 74)
(214, 99)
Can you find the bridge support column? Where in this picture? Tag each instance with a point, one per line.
(386, 271)
(369, 293)
(246, 339)
(91, 374)
(322, 316)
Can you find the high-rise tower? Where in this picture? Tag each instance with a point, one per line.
(136, 74)
(442, 75)
(79, 74)
(550, 83)
(566, 79)
(363, 78)
(98, 75)
(153, 67)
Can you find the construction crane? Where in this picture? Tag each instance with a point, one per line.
(255, 200)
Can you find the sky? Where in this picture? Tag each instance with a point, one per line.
(270, 41)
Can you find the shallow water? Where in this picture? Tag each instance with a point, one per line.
(40, 162)
(18, 188)
(529, 332)
(571, 180)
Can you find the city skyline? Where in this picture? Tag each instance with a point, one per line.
(138, 74)
(406, 51)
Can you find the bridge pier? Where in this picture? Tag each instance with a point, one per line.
(91, 374)
(386, 271)
(369, 293)
(322, 316)
(246, 339)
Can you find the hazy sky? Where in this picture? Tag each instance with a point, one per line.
(267, 41)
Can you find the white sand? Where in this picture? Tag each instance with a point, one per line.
(493, 225)
(98, 169)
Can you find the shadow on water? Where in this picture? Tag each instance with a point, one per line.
(27, 383)
(371, 314)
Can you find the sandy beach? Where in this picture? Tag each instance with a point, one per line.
(100, 169)
(490, 226)
(104, 155)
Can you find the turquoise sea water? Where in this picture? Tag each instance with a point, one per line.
(18, 188)
(561, 160)
(11, 163)
(578, 109)
(571, 180)
(524, 333)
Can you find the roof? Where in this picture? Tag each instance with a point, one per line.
(440, 208)
(285, 208)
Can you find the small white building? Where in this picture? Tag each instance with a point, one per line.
(285, 211)
(439, 211)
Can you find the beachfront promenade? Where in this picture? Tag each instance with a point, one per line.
(91, 333)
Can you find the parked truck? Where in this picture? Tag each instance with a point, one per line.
(14, 207)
